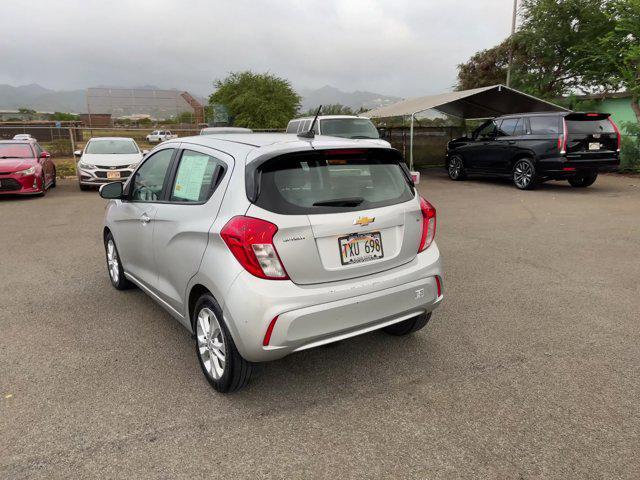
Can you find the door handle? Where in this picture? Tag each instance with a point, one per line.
(145, 218)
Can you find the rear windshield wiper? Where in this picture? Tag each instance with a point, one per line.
(340, 202)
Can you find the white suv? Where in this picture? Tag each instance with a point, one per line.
(263, 245)
(344, 126)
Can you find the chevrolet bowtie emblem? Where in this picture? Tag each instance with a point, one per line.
(364, 221)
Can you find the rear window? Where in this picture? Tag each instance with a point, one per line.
(332, 181)
(349, 128)
(544, 125)
(587, 126)
(293, 127)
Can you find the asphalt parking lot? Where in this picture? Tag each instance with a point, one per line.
(530, 369)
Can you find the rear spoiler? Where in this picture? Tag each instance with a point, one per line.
(587, 116)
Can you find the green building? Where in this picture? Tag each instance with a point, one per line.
(617, 104)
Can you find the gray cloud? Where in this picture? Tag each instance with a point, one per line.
(401, 47)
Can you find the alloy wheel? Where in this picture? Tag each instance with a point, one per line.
(455, 167)
(112, 261)
(523, 174)
(211, 347)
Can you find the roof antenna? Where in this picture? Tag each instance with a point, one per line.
(309, 133)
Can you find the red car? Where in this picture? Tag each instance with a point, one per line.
(25, 168)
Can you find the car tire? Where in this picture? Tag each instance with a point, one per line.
(54, 184)
(583, 180)
(114, 264)
(524, 174)
(408, 326)
(455, 168)
(84, 188)
(222, 365)
(44, 186)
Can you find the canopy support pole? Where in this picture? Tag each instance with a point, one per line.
(411, 144)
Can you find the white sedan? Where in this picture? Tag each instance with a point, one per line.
(107, 159)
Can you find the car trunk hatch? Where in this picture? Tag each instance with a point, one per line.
(590, 135)
(340, 214)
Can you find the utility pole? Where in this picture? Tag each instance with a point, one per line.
(513, 30)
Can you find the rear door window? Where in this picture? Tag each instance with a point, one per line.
(507, 127)
(544, 125)
(196, 177)
(332, 181)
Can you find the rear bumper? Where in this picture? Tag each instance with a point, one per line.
(569, 166)
(313, 315)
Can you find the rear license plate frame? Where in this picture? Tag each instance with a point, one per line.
(360, 237)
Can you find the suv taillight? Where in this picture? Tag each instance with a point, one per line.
(428, 224)
(562, 139)
(251, 242)
(615, 127)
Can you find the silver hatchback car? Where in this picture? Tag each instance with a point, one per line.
(262, 245)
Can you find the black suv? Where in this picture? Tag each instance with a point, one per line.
(535, 147)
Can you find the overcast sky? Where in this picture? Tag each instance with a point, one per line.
(393, 47)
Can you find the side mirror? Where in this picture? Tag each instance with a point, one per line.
(111, 191)
(45, 155)
(77, 153)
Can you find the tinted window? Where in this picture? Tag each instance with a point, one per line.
(544, 125)
(349, 128)
(293, 127)
(590, 126)
(487, 131)
(111, 147)
(326, 182)
(507, 127)
(520, 128)
(149, 179)
(194, 180)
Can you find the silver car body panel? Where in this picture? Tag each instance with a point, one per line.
(179, 250)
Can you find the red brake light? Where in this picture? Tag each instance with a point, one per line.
(428, 224)
(438, 286)
(615, 127)
(251, 242)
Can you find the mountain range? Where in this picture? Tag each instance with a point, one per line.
(42, 99)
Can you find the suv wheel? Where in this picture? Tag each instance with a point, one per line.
(456, 168)
(408, 326)
(221, 363)
(524, 174)
(583, 180)
(114, 265)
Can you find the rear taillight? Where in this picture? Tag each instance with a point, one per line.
(562, 139)
(428, 224)
(251, 242)
(615, 127)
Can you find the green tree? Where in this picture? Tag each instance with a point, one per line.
(256, 100)
(613, 62)
(545, 60)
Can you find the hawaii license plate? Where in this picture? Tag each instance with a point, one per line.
(113, 175)
(360, 248)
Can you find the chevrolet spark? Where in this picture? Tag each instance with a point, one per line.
(262, 245)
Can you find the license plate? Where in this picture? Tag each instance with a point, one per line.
(112, 175)
(594, 145)
(360, 248)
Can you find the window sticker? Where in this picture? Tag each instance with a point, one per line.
(190, 176)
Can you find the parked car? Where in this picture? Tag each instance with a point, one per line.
(220, 130)
(344, 126)
(158, 136)
(534, 147)
(23, 136)
(107, 159)
(25, 168)
(262, 246)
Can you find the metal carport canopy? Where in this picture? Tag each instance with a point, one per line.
(478, 103)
